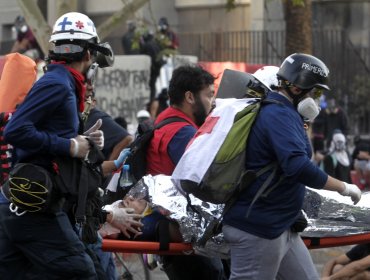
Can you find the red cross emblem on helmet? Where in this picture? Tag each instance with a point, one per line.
(79, 24)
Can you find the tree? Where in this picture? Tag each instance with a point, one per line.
(42, 30)
(298, 28)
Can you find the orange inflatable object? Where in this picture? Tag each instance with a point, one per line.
(17, 75)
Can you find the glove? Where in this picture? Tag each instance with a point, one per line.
(117, 204)
(80, 147)
(98, 138)
(126, 221)
(122, 157)
(96, 135)
(353, 191)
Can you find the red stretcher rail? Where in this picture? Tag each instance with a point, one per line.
(141, 247)
(123, 246)
(325, 242)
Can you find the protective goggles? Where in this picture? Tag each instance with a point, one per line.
(256, 89)
(316, 93)
(253, 93)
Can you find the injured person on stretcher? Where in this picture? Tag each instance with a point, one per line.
(157, 225)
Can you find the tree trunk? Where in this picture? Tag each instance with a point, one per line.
(119, 17)
(36, 22)
(42, 30)
(298, 19)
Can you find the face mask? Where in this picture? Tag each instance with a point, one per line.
(91, 73)
(308, 108)
(23, 28)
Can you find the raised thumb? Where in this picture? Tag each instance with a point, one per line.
(95, 127)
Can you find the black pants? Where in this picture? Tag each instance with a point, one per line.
(193, 267)
(41, 246)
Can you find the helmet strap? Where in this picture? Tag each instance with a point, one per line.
(296, 98)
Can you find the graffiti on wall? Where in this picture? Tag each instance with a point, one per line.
(123, 89)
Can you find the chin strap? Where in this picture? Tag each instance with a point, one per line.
(296, 98)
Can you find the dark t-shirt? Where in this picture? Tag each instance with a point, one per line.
(358, 252)
(361, 145)
(335, 169)
(176, 147)
(113, 132)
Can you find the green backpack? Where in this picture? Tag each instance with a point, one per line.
(226, 177)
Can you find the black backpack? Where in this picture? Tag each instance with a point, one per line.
(145, 132)
(137, 159)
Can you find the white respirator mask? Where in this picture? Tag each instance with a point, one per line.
(308, 108)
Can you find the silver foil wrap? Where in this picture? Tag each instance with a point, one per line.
(328, 213)
(159, 190)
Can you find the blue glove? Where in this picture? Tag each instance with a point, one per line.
(122, 157)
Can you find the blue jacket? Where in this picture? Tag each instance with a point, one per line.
(277, 136)
(43, 124)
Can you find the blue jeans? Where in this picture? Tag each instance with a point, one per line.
(41, 246)
(106, 259)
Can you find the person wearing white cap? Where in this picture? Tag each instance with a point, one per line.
(142, 115)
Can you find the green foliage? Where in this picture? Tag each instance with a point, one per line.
(230, 4)
(163, 41)
(298, 2)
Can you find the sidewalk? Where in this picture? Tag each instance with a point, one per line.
(321, 256)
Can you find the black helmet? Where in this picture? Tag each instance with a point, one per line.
(163, 21)
(304, 71)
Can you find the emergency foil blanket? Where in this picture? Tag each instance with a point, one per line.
(329, 214)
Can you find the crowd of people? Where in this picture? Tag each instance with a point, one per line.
(49, 244)
(157, 45)
(329, 136)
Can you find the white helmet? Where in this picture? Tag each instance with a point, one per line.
(74, 26)
(267, 76)
(143, 114)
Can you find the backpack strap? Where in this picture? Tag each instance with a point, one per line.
(80, 216)
(263, 191)
(270, 101)
(272, 165)
(168, 121)
(163, 234)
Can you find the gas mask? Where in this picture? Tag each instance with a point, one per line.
(162, 27)
(308, 108)
(104, 58)
(105, 55)
(20, 28)
(91, 73)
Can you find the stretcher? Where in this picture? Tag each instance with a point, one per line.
(112, 245)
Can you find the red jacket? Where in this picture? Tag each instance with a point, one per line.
(158, 160)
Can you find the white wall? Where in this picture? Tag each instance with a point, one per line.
(123, 89)
(8, 12)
